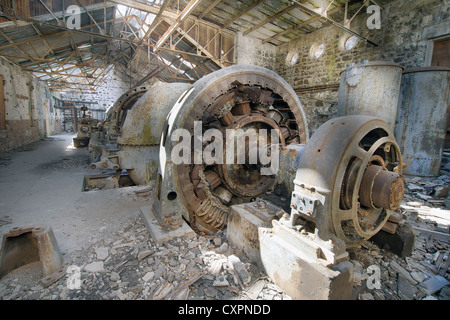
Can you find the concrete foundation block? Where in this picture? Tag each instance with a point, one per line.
(294, 264)
(243, 223)
(401, 242)
(160, 233)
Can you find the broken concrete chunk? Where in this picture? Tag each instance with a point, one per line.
(367, 296)
(193, 244)
(441, 192)
(96, 266)
(160, 272)
(217, 241)
(418, 276)
(239, 267)
(101, 253)
(223, 248)
(114, 276)
(216, 267)
(404, 289)
(445, 293)
(253, 292)
(221, 282)
(148, 276)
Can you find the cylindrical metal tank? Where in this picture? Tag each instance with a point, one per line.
(370, 88)
(421, 120)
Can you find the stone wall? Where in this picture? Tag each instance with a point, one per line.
(29, 113)
(250, 50)
(406, 36)
(409, 27)
(308, 75)
(106, 94)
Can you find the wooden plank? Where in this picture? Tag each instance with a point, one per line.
(435, 234)
(210, 7)
(270, 19)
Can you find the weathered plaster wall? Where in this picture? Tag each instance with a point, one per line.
(30, 115)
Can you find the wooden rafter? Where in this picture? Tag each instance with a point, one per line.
(210, 7)
(57, 57)
(241, 13)
(270, 19)
(183, 15)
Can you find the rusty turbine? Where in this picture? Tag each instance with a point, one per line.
(237, 97)
(351, 166)
(346, 180)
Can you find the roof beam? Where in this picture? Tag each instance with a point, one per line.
(145, 7)
(90, 16)
(166, 14)
(96, 35)
(183, 15)
(240, 14)
(47, 73)
(201, 48)
(270, 19)
(48, 9)
(210, 7)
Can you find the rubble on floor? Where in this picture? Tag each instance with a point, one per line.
(129, 265)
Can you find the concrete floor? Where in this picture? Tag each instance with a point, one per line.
(41, 184)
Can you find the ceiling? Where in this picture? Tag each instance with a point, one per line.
(171, 40)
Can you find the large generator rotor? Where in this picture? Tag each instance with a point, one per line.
(247, 98)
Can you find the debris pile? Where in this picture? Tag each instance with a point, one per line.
(129, 265)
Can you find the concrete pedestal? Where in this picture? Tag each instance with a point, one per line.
(294, 263)
(243, 223)
(163, 234)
